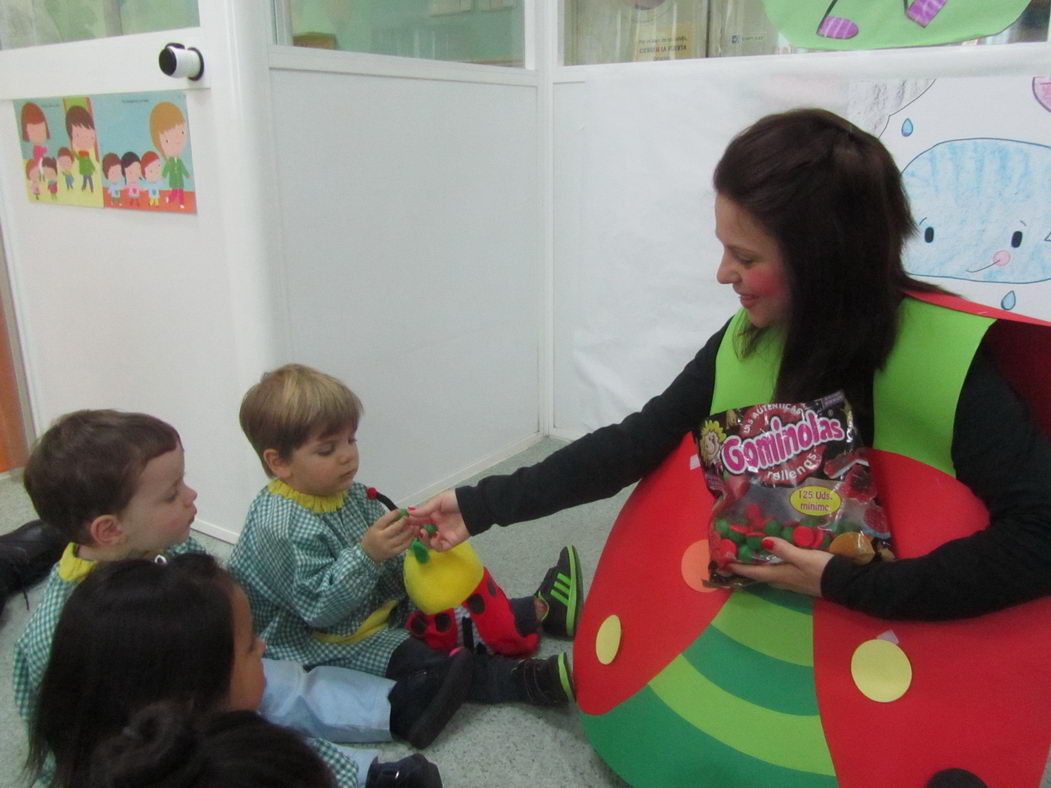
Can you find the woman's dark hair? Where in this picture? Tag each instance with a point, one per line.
(133, 633)
(165, 746)
(832, 197)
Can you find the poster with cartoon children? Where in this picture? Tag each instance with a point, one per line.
(124, 150)
(59, 150)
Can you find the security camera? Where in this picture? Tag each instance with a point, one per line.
(179, 61)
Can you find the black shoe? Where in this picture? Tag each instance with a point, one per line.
(563, 591)
(545, 682)
(415, 771)
(27, 553)
(423, 702)
(956, 778)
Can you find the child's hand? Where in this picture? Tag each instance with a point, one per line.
(389, 536)
(443, 511)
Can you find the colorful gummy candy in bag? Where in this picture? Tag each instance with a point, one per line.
(793, 470)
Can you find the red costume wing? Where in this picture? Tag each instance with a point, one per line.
(649, 576)
(980, 689)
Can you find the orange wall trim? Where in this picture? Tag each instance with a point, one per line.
(12, 431)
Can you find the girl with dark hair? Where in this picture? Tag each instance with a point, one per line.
(164, 746)
(137, 632)
(812, 217)
(134, 632)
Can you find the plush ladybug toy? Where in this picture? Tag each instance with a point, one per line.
(458, 604)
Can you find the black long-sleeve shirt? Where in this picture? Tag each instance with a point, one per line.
(997, 450)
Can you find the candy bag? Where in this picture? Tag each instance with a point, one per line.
(793, 470)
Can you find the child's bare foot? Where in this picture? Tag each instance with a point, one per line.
(540, 607)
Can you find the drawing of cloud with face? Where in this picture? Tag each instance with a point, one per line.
(983, 210)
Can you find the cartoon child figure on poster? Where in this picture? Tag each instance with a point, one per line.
(65, 166)
(35, 130)
(151, 171)
(132, 176)
(33, 176)
(168, 130)
(81, 130)
(114, 175)
(50, 175)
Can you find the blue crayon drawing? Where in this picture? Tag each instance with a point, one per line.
(983, 210)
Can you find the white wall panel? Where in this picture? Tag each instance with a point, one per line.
(410, 226)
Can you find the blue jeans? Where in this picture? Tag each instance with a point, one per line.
(337, 704)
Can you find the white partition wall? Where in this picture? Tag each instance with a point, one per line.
(410, 218)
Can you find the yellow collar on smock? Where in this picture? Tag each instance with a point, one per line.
(71, 567)
(315, 503)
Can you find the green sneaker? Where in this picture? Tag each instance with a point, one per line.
(545, 682)
(563, 591)
(565, 677)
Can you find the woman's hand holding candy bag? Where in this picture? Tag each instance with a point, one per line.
(800, 569)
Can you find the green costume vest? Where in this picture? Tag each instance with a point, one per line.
(914, 396)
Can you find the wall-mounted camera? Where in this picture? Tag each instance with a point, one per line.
(179, 61)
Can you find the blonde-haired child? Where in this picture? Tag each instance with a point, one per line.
(321, 560)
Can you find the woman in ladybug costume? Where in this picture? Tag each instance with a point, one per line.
(813, 217)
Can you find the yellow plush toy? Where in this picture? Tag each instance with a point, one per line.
(460, 605)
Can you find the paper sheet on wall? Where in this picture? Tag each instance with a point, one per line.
(975, 155)
(650, 149)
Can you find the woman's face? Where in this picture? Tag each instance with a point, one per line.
(246, 678)
(751, 264)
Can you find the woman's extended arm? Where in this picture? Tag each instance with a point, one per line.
(601, 463)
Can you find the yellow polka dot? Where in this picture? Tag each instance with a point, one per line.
(881, 670)
(607, 641)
